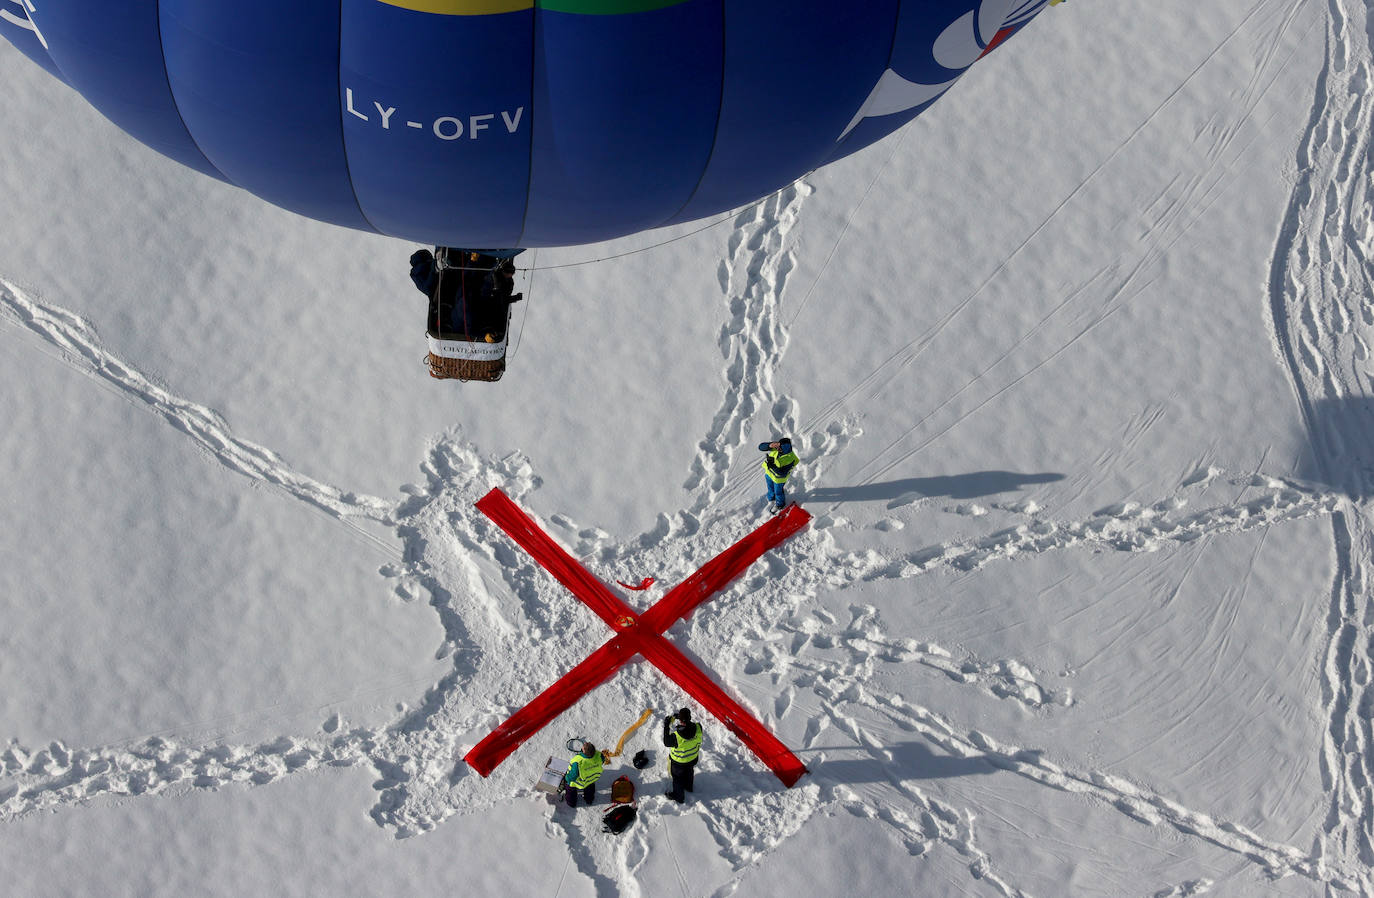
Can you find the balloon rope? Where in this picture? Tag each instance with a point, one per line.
(729, 215)
(726, 217)
(845, 229)
(529, 297)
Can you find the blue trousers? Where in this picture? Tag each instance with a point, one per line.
(776, 494)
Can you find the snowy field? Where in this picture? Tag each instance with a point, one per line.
(1078, 366)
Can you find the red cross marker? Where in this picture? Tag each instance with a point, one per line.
(636, 634)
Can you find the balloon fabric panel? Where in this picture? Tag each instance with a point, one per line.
(501, 123)
(22, 31)
(262, 103)
(625, 111)
(794, 74)
(111, 53)
(436, 119)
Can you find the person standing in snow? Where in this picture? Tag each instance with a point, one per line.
(684, 744)
(584, 769)
(777, 465)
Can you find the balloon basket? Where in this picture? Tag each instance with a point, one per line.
(488, 370)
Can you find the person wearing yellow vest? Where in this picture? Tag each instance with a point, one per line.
(584, 769)
(684, 744)
(777, 465)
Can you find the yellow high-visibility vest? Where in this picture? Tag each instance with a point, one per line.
(687, 749)
(779, 459)
(588, 770)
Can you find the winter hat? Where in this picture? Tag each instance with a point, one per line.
(685, 715)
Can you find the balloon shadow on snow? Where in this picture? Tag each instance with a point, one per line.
(1338, 455)
(973, 485)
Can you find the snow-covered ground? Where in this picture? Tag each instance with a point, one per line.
(1079, 369)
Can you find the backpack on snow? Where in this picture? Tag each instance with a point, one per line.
(618, 818)
(622, 790)
(622, 812)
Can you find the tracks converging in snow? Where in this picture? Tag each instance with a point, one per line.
(494, 603)
(500, 613)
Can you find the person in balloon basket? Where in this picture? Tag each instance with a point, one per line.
(584, 769)
(777, 466)
(477, 291)
(684, 746)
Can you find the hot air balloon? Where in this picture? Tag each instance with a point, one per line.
(509, 123)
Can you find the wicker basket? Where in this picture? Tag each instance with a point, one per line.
(457, 357)
(465, 369)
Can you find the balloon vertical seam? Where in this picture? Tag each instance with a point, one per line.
(715, 134)
(343, 132)
(534, 123)
(172, 92)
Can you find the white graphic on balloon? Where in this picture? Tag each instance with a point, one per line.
(957, 48)
(27, 21)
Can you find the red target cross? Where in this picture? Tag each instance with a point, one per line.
(636, 634)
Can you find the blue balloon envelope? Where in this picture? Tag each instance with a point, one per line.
(509, 122)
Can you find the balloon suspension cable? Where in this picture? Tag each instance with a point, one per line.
(724, 218)
(845, 230)
(644, 249)
(439, 266)
(529, 296)
(463, 293)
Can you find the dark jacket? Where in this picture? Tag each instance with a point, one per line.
(422, 271)
(688, 730)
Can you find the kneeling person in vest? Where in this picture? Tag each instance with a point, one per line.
(583, 771)
(777, 466)
(684, 744)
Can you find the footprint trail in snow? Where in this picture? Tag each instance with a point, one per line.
(500, 611)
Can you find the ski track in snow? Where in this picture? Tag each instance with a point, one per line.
(80, 346)
(1321, 293)
(494, 602)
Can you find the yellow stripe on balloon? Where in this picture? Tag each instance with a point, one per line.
(462, 7)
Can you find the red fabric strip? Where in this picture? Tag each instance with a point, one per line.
(679, 668)
(636, 637)
(717, 573)
(591, 673)
(553, 557)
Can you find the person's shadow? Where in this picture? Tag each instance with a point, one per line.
(910, 760)
(973, 485)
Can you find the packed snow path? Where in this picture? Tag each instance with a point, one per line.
(1322, 306)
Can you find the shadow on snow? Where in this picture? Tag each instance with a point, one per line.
(973, 485)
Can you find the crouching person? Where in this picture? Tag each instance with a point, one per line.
(584, 769)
